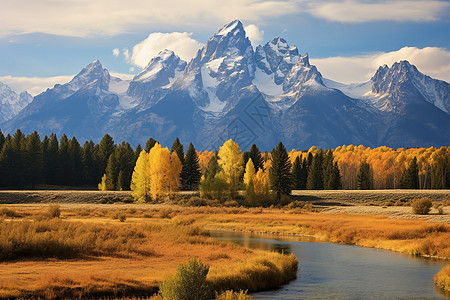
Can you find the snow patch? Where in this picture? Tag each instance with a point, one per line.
(209, 85)
(215, 64)
(353, 90)
(266, 83)
(228, 29)
(118, 86)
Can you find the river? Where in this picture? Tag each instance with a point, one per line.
(334, 271)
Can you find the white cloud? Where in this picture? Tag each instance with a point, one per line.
(126, 54)
(353, 11)
(122, 75)
(33, 85)
(116, 52)
(255, 34)
(431, 61)
(179, 42)
(37, 85)
(111, 17)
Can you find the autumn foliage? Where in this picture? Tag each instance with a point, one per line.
(156, 174)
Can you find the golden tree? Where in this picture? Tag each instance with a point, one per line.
(140, 181)
(165, 171)
(231, 163)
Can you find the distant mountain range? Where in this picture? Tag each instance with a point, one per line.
(231, 90)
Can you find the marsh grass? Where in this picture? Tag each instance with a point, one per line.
(442, 280)
(263, 271)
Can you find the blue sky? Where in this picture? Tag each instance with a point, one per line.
(46, 42)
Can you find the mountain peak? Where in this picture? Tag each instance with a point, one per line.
(233, 26)
(91, 73)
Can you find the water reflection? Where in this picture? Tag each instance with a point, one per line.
(252, 241)
(344, 272)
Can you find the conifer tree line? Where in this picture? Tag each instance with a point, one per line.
(27, 161)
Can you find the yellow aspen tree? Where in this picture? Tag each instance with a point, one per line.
(249, 172)
(174, 178)
(140, 181)
(165, 169)
(231, 163)
(261, 182)
(102, 184)
(249, 175)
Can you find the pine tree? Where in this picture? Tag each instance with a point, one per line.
(297, 174)
(35, 159)
(331, 174)
(213, 168)
(89, 164)
(333, 180)
(2, 140)
(126, 162)
(51, 160)
(19, 172)
(105, 149)
(191, 174)
(315, 173)
(363, 177)
(137, 152)
(280, 172)
(63, 159)
(8, 158)
(410, 177)
(149, 145)
(75, 163)
(256, 157)
(178, 148)
(111, 173)
(245, 157)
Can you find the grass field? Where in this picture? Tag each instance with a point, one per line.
(88, 251)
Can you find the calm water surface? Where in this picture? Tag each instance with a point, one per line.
(332, 271)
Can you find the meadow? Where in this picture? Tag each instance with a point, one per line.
(121, 249)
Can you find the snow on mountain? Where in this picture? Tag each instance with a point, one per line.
(231, 90)
(11, 103)
(403, 77)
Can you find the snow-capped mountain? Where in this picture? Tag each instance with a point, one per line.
(82, 107)
(11, 103)
(231, 90)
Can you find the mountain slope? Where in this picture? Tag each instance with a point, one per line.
(11, 103)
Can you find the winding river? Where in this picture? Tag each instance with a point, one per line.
(333, 271)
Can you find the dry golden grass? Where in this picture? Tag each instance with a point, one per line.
(442, 280)
(85, 256)
(167, 235)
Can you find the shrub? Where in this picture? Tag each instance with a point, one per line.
(439, 208)
(188, 283)
(421, 206)
(122, 217)
(232, 295)
(54, 210)
(442, 279)
(9, 213)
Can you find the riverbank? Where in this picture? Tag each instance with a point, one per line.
(386, 227)
(119, 253)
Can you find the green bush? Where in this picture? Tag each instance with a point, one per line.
(54, 210)
(189, 283)
(421, 206)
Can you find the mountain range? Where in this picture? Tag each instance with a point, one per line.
(232, 90)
